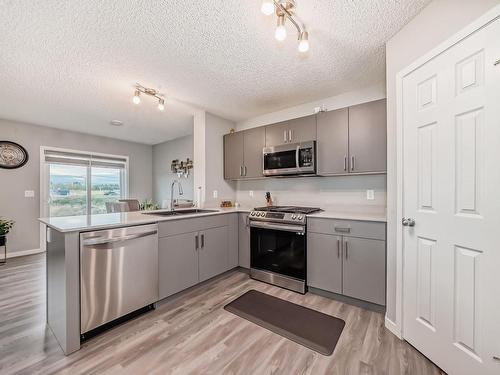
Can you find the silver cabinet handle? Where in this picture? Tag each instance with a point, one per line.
(408, 222)
(285, 138)
(248, 221)
(196, 242)
(338, 248)
(346, 250)
(345, 162)
(342, 229)
(290, 135)
(241, 170)
(244, 170)
(103, 241)
(202, 241)
(352, 162)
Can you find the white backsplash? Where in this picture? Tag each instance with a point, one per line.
(340, 193)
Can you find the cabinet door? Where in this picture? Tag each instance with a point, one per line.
(254, 141)
(368, 137)
(213, 252)
(364, 269)
(277, 134)
(177, 263)
(233, 156)
(302, 129)
(243, 241)
(324, 262)
(332, 143)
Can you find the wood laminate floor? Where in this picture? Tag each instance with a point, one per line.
(192, 334)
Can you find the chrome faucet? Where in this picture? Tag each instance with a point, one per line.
(172, 192)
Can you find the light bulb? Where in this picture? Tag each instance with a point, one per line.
(161, 104)
(136, 99)
(280, 33)
(304, 42)
(267, 7)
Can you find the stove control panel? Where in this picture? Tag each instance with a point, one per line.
(278, 217)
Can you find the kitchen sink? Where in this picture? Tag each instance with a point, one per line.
(188, 211)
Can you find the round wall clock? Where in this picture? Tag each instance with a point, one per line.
(12, 155)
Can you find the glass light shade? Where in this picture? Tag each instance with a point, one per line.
(304, 42)
(161, 105)
(136, 99)
(267, 7)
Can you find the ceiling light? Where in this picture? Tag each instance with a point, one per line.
(140, 89)
(267, 7)
(285, 10)
(136, 99)
(161, 104)
(116, 123)
(280, 33)
(304, 42)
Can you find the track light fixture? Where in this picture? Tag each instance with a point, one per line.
(140, 89)
(285, 9)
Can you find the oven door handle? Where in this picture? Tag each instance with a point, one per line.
(299, 229)
(297, 154)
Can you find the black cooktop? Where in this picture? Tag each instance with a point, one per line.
(290, 209)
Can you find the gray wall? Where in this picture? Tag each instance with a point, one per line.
(163, 154)
(432, 26)
(13, 183)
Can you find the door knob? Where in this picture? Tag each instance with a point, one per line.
(408, 222)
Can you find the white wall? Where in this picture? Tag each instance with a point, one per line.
(163, 154)
(432, 26)
(13, 183)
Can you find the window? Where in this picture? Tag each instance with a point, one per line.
(79, 183)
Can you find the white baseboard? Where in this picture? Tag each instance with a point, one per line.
(15, 254)
(393, 327)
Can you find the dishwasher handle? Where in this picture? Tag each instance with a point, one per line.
(102, 241)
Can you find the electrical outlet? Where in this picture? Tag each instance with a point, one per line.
(370, 195)
(216, 194)
(29, 194)
(250, 193)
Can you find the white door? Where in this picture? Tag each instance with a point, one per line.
(451, 162)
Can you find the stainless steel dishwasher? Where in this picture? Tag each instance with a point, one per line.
(118, 273)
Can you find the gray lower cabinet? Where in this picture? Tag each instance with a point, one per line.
(368, 137)
(232, 240)
(364, 269)
(178, 263)
(243, 241)
(212, 252)
(347, 257)
(324, 262)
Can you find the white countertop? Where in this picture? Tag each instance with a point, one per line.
(124, 219)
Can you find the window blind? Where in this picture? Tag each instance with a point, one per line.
(84, 159)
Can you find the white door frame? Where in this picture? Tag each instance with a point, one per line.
(481, 22)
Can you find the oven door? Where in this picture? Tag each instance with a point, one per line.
(279, 249)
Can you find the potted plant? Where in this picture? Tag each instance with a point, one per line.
(5, 227)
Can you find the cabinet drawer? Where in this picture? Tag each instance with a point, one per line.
(352, 228)
(186, 225)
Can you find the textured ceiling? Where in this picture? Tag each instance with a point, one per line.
(73, 64)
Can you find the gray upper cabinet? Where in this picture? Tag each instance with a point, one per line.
(177, 263)
(243, 154)
(332, 143)
(364, 269)
(324, 262)
(368, 137)
(254, 141)
(233, 156)
(212, 252)
(301, 129)
(243, 240)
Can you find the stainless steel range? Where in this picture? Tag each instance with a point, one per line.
(278, 245)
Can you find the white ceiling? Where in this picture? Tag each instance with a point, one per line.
(73, 64)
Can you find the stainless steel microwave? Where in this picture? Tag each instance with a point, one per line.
(290, 159)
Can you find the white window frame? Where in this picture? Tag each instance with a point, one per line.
(44, 189)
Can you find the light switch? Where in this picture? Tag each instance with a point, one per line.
(370, 195)
(29, 193)
(250, 193)
(216, 193)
